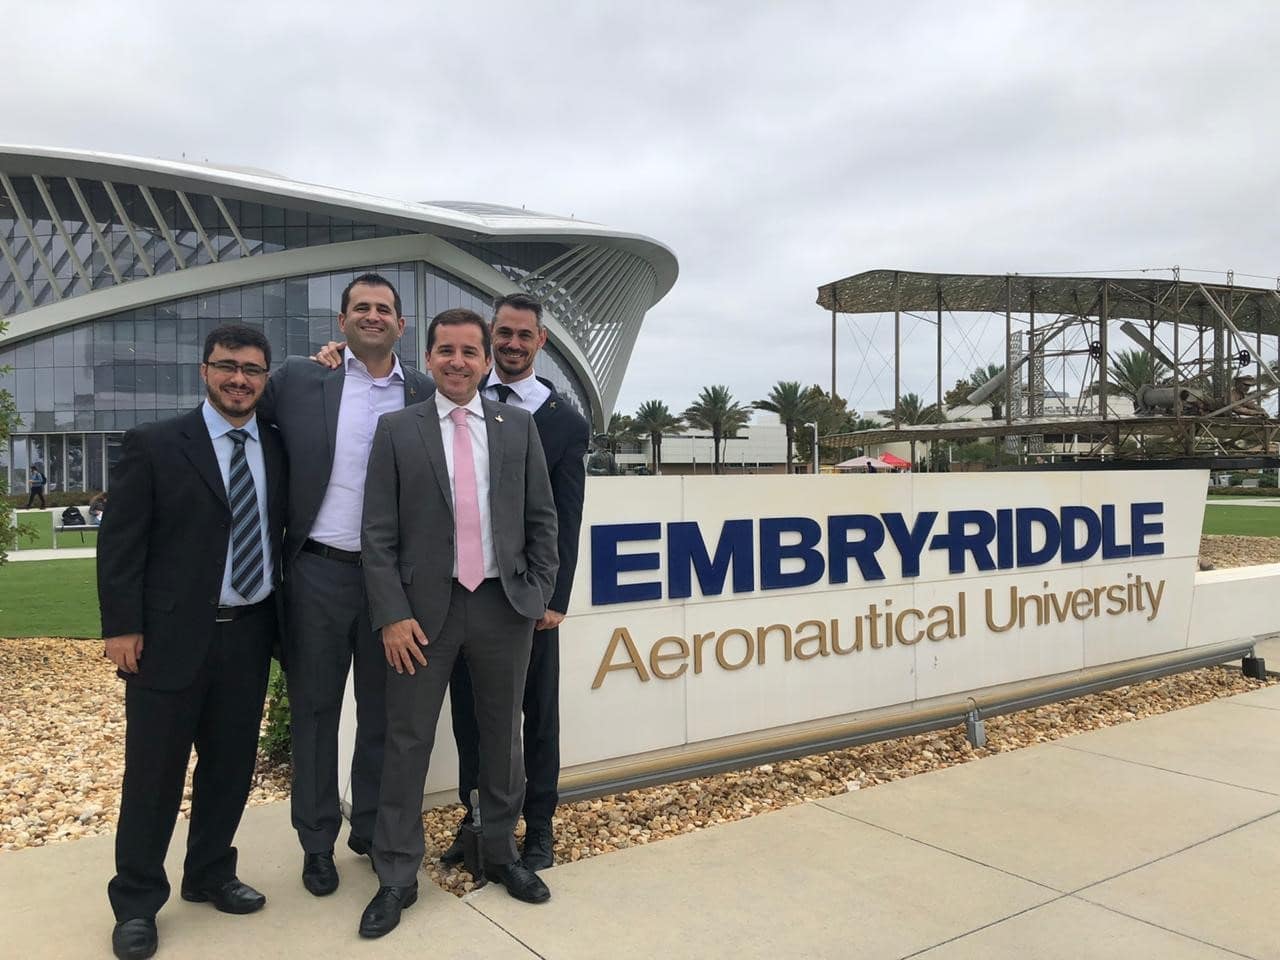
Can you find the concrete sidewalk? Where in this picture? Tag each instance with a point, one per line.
(1155, 839)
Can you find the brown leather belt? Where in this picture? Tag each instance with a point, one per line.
(332, 553)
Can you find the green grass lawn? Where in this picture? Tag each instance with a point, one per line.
(49, 598)
(1258, 521)
(41, 528)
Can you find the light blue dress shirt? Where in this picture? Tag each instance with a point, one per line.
(223, 447)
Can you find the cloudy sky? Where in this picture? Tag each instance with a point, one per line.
(773, 147)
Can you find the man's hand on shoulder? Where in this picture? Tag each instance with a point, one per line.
(330, 355)
(402, 642)
(549, 620)
(124, 651)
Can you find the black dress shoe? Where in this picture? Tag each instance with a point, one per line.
(319, 875)
(521, 882)
(455, 853)
(539, 848)
(382, 915)
(361, 847)
(134, 939)
(230, 897)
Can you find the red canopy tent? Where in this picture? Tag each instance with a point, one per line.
(896, 462)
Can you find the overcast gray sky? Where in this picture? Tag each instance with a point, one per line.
(773, 147)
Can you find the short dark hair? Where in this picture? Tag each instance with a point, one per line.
(456, 317)
(372, 280)
(234, 336)
(519, 301)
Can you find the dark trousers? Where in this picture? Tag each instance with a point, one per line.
(329, 631)
(219, 714)
(31, 497)
(541, 729)
(494, 639)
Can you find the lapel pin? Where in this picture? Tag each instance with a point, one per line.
(413, 391)
(498, 417)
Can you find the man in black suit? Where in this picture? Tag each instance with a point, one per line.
(327, 419)
(188, 562)
(518, 335)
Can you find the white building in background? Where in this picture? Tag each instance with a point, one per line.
(760, 447)
(114, 268)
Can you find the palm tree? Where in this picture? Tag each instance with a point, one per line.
(911, 411)
(717, 411)
(621, 429)
(1131, 370)
(653, 419)
(981, 376)
(791, 403)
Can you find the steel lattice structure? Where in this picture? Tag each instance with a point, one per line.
(1212, 341)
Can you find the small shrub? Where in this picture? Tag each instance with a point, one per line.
(276, 742)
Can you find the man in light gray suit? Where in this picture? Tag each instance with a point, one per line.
(327, 419)
(460, 557)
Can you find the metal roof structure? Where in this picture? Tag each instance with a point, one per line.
(1252, 309)
(1207, 337)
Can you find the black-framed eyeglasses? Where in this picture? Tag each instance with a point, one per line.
(252, 370)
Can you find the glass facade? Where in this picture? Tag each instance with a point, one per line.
(79, 388)
(44, 230)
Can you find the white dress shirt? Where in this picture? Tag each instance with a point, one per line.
(223, 447)
(480, 456)
(364, 400)
(527, 393)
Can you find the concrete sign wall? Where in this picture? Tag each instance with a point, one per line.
(707, 607)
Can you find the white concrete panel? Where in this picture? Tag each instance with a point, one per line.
(1152, 604)
(614, 500)
(983, 656)
(629, 712)
(725, 698)
(944, 492)
(1239, 602)
(1181, 492)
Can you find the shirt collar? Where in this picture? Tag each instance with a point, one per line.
(217, 424)
(445, 406)
(518, 387)
(351, 362)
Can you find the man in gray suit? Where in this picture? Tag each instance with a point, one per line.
(327, 419)
(469, 475)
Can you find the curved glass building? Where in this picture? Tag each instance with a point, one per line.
(114, 268)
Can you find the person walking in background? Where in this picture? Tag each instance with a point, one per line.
(35, 485)
(188, 563)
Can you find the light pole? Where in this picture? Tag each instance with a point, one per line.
(814, 428)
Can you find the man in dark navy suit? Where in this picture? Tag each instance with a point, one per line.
(188, 565)
(518, 334)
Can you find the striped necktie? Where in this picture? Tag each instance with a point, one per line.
(246, 532)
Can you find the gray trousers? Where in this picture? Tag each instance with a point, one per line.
(495, 640)
(328, 630)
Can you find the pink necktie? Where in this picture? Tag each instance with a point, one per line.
(466, 505)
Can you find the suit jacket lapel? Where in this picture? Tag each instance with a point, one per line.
(493, 430)
(429, 427)
(198, 448)
(333, 383)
